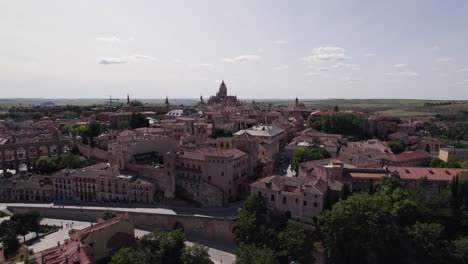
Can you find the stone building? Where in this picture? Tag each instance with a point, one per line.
(222, 96)
(212, 176)
(297, 198)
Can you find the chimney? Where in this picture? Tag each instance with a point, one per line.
(58, 243)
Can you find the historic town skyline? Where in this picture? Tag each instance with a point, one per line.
(262, 49)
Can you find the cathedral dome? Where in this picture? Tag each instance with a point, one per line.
(222, 89)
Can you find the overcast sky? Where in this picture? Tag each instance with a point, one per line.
(262, 49)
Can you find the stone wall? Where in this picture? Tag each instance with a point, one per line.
(89, 152)
(215, 230)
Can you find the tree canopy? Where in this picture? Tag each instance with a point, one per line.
(163, 247)
(396, 225)
(396, 146)
(303, 154)
(265, 237)
(337, 123)
(138, 120)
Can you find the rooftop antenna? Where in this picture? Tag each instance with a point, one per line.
(111, 101)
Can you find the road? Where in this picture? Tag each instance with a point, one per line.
(228, 212)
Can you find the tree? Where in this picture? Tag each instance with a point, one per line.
(138, 120)
(338, 123)
(164, 247)
(10, 244)
(396, 146)
(427, 241)
(26, 222)
(69, 161)
(303, 154)
(251, 254)
(336, 109)
(460, 250)
(359, 230)
(108, 214)
(292, 243)
(46, 165)
(219, 132)
(125, 256)
(196, 254)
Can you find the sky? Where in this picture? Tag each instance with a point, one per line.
(274, 49)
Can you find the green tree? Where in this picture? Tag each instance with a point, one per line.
(126, 256)
(338, 123)
(292, 243)
(359, 230)
(108, 214)
(196, 254)
(46, 165)
(428, 242)
(164, 247)
(69, 161)
(396, 146)
(460, 250)
(138, 120)
(251, 254)
(303, 154)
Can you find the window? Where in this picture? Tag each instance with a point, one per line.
(304, 203)
(316, 196)
(272, 198)
(315, 204)
(209, 178)
(259, 194)
(284, 200)
(297, 200)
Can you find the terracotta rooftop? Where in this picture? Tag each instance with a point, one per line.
(406, 156)
(432, 174)
(203, 153)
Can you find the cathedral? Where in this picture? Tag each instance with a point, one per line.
(221, 97)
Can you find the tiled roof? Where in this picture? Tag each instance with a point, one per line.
(432, 174)
(405, 156)
(203, 153)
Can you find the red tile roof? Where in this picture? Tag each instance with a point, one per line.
(432, 174)
(405, 156)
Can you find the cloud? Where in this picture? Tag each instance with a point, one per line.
(403, 74)
(207, 66)
(280, 67)
(349, 79)
(401, 65)
(444, 59)
(125, 59)
(280, 42)
(112, 40)
(435, 48)
(259, 50)
(142, 57)
(463, 70)
(242, 58)
(369, 54)
(341, 65)
(327, 54)
(109, 61)
(312, 73)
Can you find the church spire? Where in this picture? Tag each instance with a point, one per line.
(167, 101)
(128, 98)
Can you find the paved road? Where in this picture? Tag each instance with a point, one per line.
(218, 256)
(229, 212)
